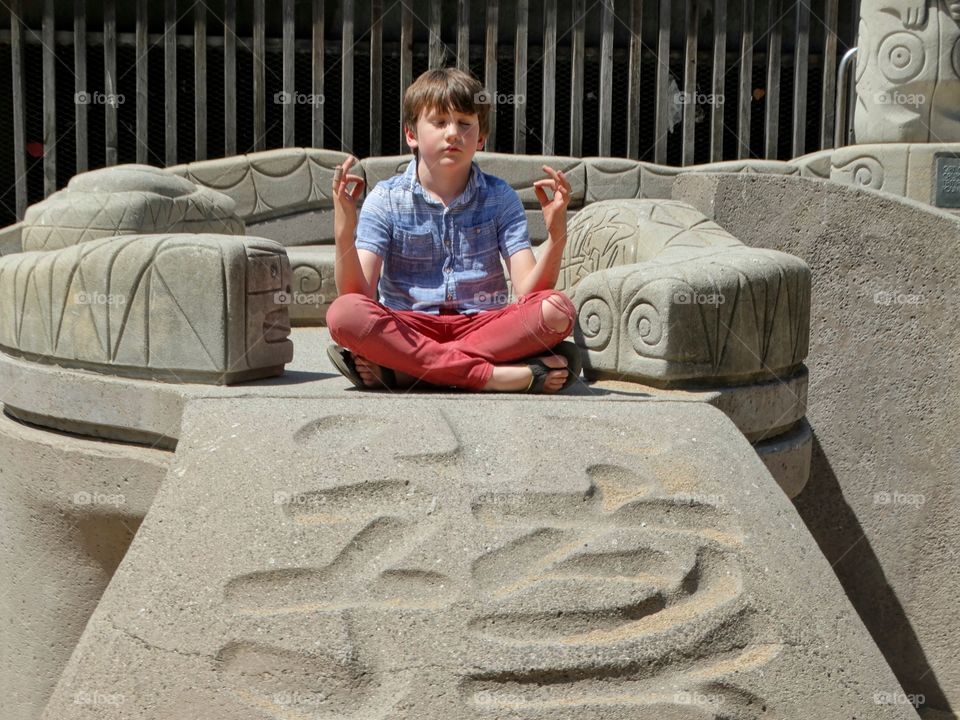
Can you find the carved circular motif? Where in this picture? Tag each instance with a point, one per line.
(956, 57)
(645, 327)
(596, 322)
(902, 57)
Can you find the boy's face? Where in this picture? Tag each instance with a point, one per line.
(446, 138)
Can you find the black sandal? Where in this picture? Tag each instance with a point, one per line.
(540, 369)
(343, 360)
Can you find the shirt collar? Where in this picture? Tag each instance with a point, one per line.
(474, 182)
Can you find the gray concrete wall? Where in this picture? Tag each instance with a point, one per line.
(69, 508)
(883, 401)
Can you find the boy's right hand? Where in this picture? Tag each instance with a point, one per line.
(345, 198)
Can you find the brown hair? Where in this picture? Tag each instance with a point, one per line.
(446, 89)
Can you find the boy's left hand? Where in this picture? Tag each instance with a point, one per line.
(554, 210)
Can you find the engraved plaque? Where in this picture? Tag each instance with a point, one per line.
(947, 188)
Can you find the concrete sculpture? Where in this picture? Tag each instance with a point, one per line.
(181, 308)
(124, 200)
(651, 572)
(908, 71)
(666, 296)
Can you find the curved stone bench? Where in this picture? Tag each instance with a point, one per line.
(179, 308)
(122, 200)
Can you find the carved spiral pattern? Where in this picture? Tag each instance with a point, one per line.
(596, 322)
(956, 57)
(307, 279)
(645, 327)
(864, 172)
(902, 57)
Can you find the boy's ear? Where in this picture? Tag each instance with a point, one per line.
(410, 137)
(480, 141)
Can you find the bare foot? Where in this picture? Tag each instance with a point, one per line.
(372, 374)
(516, 378)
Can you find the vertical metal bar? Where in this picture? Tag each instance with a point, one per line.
(606, 76)
(844, 101)
(436, 40)
(346, 85)
(463, 35)
(633, 93)
(663, 86)
(110, 81)
(406, 62)
(49, 101)
(19, 135)
(376, 78)
(520, 78)
(490, 69)
(142, 82)
(549, 75)
(718, 99)
(745, 93)
(828, 102)
(230, 78)
(690, 81)
(259, 77)
(289, 38)
(773, 80)
(317, 62)
(800, 72)
(576, 78)
(79, 82)
(200, 81)
(170, 81)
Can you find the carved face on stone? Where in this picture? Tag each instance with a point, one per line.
(953, 9)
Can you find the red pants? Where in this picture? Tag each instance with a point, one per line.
(450, 350)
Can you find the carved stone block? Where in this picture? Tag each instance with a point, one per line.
(123, 200)
(665, 296)
(180, 308)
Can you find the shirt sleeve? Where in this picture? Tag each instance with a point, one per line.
(512, 233)
(373, 224)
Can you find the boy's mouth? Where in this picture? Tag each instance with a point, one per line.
(451, 149)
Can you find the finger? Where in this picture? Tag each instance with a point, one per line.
(541, 195)
(358, 189)
(546, 183)
(566, 182)
(338, 173)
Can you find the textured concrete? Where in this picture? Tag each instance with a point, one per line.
(884, 362)
(123, 200)
(179, 307)
(908, 71)
(431, 559)
(69, 508)
(665, 296)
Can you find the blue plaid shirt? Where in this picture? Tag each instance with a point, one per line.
(442, 257)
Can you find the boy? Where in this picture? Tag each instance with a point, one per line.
(438, 231)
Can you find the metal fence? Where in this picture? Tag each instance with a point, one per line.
(669, 81)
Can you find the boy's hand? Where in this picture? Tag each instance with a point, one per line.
(345, 198)
(555, 210)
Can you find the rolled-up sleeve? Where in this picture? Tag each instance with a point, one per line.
(512, 232)
(373, 224)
